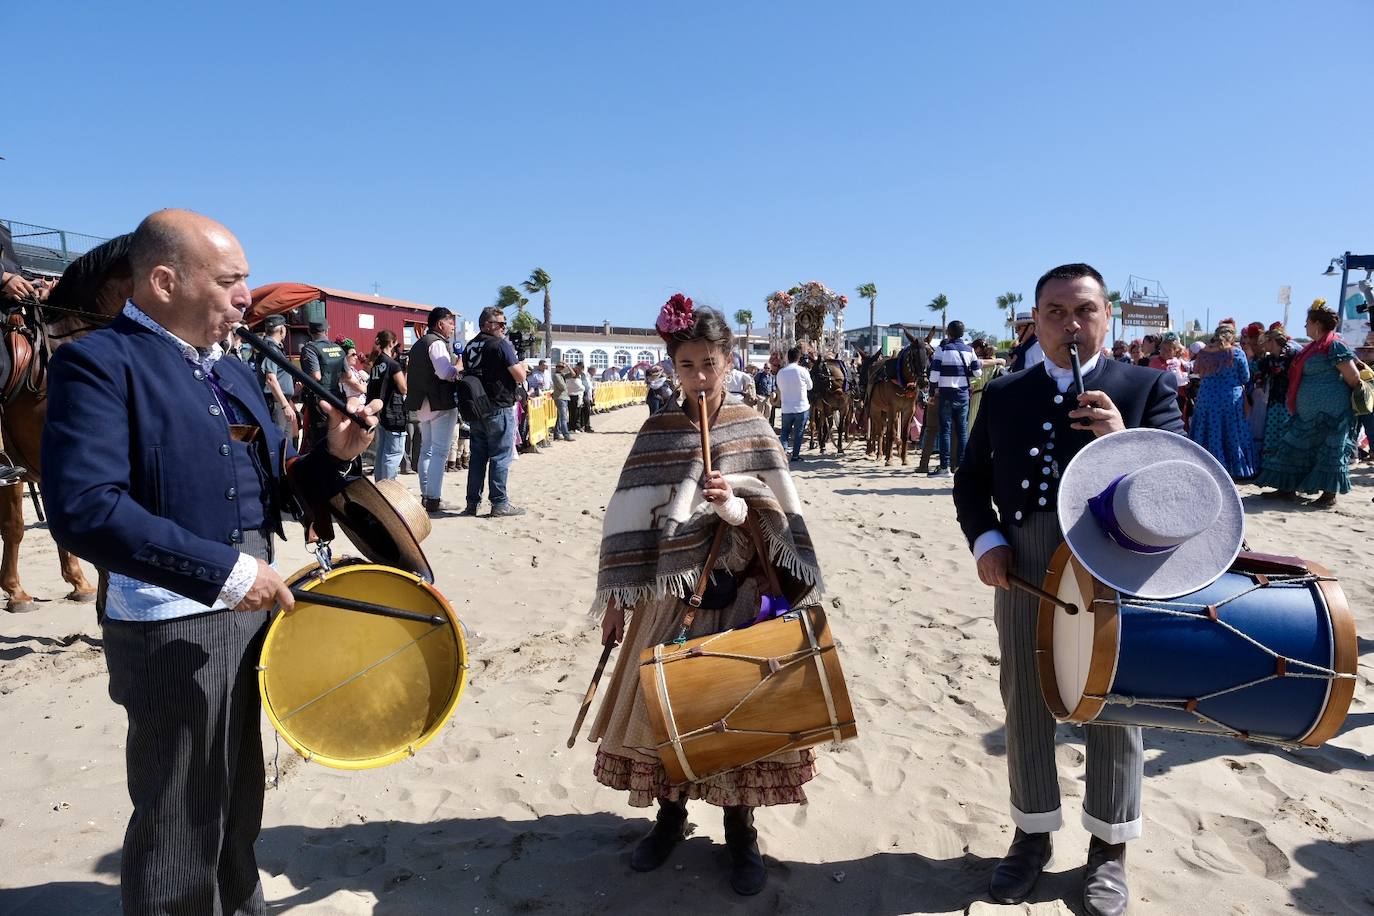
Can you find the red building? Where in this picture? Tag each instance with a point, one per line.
(358, 316)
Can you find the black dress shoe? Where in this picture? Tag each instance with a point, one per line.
(1104, 884)
(747, 873)
(1015, 876)
(659, 843)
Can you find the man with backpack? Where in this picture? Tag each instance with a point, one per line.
(431, 388)
(486, 394)
(952, 369)
(387, 383)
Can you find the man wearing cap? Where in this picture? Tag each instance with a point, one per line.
(277, 384)
(431, 377)
(180, 503)
(1027, 430)
(322, 360)
(1027, 352)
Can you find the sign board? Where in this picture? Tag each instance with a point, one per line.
(1135, 315)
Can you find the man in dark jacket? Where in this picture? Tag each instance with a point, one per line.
(1030, 425)
(431, 373)
(180, 504)
(492, 359)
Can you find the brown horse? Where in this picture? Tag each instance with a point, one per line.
(831, 405)
(889, 405)
(92, 290)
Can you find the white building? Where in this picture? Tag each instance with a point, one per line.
(600, 346)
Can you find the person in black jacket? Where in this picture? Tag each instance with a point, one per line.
(1029, 426)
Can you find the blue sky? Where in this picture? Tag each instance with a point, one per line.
(723, 149)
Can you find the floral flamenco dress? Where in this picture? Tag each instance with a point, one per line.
(1313, 455)
(1219, 423)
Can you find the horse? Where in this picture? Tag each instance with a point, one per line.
(890, 407)
(829, 401)
(92, 290)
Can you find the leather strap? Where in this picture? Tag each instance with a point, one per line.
(820, 669)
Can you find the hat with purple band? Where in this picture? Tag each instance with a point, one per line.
(1150, 513)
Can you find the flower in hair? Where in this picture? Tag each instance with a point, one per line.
(676, 315)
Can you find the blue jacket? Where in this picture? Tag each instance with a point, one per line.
(139, 475)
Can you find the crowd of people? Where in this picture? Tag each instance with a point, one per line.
(423, 430)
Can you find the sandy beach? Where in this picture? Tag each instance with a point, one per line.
(498, 816)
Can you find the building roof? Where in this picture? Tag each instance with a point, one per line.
(374, 298)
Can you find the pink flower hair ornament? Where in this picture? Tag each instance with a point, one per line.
(675, 316)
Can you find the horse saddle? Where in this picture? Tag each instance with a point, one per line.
(18, 364)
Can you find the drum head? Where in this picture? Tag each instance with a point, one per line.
(1076, 653)
(354, 690)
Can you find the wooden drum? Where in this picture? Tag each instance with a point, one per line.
(724, 701)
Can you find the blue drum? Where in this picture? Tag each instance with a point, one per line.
(1265, 653)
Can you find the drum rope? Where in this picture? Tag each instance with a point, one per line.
(353, 677)
(1320, 670)
(667, 709)
(806, 653)
(1226, 732)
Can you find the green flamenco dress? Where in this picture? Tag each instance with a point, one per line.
(1313, 455)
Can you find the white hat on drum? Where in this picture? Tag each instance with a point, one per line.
(1150, 513)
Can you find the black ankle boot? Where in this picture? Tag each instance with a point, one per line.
(1015, 876)
(669, 830)
(747, 874)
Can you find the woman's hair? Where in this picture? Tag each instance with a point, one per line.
(1224, 334)
(385, 339)
(1324, 317)
(708, 325)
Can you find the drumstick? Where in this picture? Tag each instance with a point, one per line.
(364, 607)
(281, 359)
(1040, 593)
(591, 692)
(705, 431)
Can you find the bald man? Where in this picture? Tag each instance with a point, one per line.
(179, 503)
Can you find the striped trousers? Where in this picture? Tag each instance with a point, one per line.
(194, 761)
(1115, 754)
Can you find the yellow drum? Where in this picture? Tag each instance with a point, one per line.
(353, 690)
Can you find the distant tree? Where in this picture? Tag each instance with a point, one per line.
(940, 304)
(869, 291)
(1008, 303)
(745, 319)
(523, 321)
(539, 282)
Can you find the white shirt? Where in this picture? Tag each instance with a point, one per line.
(1063, 380)
(737, 382)
(1034, 356)
(793, 384)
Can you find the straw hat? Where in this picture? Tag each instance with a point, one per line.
(385, 522)
(1150, 513)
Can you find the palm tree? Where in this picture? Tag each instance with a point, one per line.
(870, 292)
(745, 318)
(940, 304)
(507, 296)
(523, 321)
(539, 282)
(1008, 302)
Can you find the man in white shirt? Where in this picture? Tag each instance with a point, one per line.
(793, 384)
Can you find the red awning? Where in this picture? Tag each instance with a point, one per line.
(279, 298)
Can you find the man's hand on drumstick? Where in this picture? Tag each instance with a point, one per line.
(994, 566)
(1098, 409)
(716, 488)
(268, 591)
(347, 440)
(613, 624)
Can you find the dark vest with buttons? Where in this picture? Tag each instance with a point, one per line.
(1023, 438)
(331, 357)
(421, 381)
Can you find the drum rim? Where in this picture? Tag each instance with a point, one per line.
(1344, 659)
(354, 564)
(1106, 640)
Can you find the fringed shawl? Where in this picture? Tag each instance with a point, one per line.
(658, 528)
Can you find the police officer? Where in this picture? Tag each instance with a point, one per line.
(322, 360)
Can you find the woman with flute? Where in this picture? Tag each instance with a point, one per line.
(707, 462)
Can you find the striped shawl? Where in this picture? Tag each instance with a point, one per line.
(658, 527)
